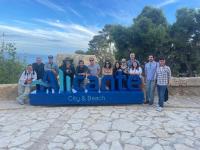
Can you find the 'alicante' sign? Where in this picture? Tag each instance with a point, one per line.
(122, 90)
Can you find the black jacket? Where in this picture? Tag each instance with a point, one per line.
(68, 71)
(39, 69)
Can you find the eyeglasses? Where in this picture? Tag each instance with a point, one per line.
(91, 60)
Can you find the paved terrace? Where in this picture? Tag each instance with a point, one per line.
(132, 127)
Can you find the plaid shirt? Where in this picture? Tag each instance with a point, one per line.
(163, 75)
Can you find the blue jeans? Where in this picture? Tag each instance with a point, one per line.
(52, 81)
(150, 90)
(161, 94)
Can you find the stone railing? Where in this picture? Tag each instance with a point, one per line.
(178, 86)
(8, 91)
(185, 86)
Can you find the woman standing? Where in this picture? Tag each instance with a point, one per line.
(137, 70)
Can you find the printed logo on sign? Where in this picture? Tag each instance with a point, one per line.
(86, 98)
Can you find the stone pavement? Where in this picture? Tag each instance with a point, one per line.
(132, 127)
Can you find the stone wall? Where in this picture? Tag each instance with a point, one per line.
(8, 91)
(178, 86)
(185, 86)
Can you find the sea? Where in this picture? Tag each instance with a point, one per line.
(31, 58)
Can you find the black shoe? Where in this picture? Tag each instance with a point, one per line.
(146, 102)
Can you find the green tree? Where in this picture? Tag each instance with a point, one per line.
(100, 46)
(120, 35)
(147, 35)
(150, 33)
(11, 67)
(185, 33)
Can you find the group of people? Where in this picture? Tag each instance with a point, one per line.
(153, 74)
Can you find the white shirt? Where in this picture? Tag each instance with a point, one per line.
(27, 76)
(136, 71)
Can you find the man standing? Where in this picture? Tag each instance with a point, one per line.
(24, 84)
(150, 70)
(162, 76)
(132, 60)
(38, 67)
(93, 68)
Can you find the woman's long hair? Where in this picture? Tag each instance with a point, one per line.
(137, 67)
(115, 68)
(108, 62)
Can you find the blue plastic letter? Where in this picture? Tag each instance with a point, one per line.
(133, 82)
(120, 78)
(104, 80)
(93, 84)
(77, 86)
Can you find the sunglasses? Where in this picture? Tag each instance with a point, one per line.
(91, 60)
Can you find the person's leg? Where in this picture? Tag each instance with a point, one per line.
(148, 92)
(53, 81)
(99, 80)
(162, 95)
(21, 89)
(24, 96)
(72, 81)
(64, 83)
(151, 91)
(143, 90)
(85, 82)
(158, 91)
(26, 93)
(166, 95)
(46, 80)
(38, 88)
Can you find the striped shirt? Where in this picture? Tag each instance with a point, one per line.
(163, 75)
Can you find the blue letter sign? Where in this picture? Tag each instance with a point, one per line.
(128, 91)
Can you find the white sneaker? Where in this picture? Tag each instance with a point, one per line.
(159, 109)
(167, 102)
(74, 91)
(20, 101)
(107, 88)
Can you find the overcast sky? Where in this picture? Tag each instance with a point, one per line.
(52, 26)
